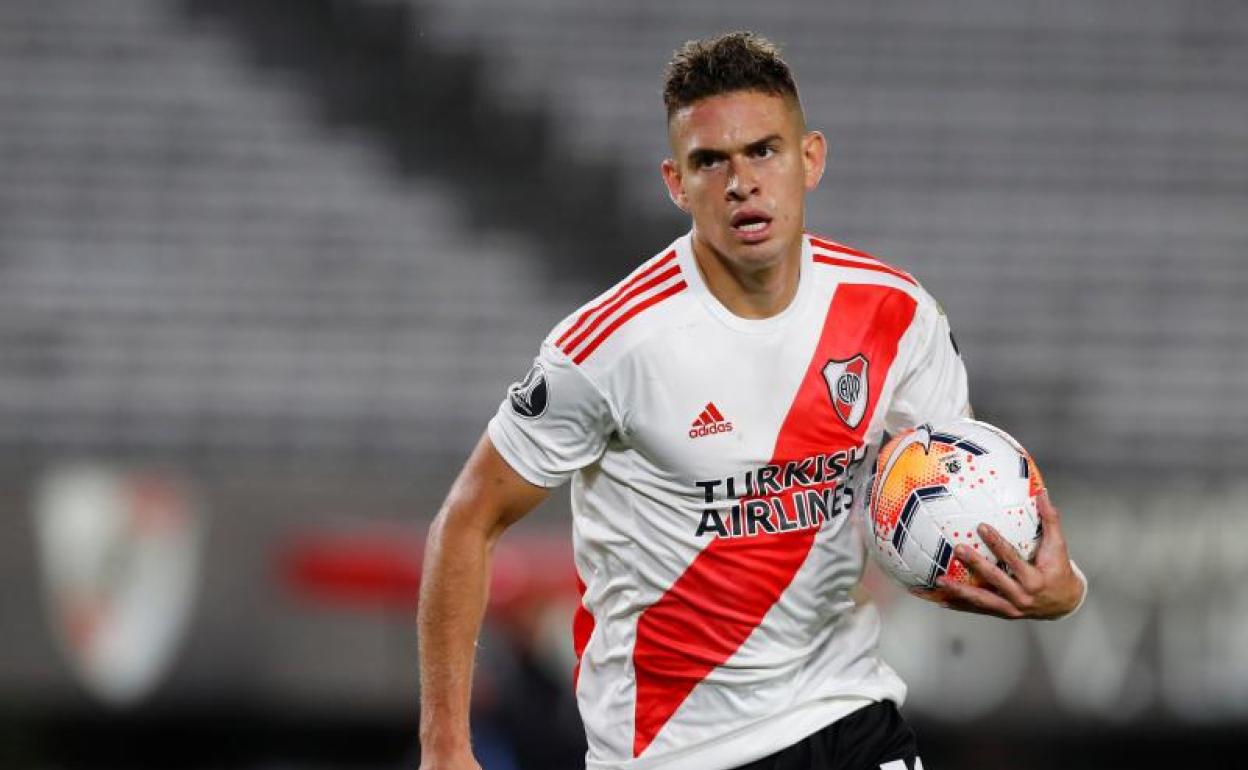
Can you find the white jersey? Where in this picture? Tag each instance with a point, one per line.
(716, 465)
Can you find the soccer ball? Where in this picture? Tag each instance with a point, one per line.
(934, 484)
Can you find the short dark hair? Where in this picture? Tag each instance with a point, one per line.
(735, 61)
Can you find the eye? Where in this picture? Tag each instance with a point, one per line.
(707, 162)
(766, 151)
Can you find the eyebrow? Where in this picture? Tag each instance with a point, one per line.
(697, 156)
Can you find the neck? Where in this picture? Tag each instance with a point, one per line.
(748, 291)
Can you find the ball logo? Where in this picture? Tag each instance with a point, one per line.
(848, 388)
(530, 396)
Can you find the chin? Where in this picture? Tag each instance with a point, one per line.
(761, 253)
(757, 256)
(751, 256)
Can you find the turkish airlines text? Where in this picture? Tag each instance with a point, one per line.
(797, 494)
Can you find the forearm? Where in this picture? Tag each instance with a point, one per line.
(453, 597)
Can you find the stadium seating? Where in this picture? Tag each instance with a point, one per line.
(191, 257)
(191, 261)
(1069, 180)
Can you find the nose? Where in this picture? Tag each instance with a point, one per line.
(742, 184)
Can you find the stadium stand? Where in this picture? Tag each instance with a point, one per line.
(1068, 180)
(243, 269)
(190, 262)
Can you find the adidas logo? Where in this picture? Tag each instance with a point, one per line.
(709, 423)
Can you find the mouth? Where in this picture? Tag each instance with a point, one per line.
(751, 226)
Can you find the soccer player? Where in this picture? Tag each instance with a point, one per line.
(716, 412)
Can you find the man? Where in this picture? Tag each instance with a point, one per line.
(687, 405)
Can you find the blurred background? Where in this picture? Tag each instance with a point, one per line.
(268, 266)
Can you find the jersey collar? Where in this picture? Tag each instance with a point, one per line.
(693, 276)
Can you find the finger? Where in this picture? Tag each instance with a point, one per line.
(968, 598)
(1052, 539)
(941, 596)
(935, 595)
(1022, 571)
(990, 573)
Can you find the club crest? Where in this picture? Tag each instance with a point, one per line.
(119, 554)
(848, 388)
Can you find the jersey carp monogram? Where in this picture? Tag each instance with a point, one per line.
(717, 556)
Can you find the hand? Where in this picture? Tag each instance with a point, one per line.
(1045, 589)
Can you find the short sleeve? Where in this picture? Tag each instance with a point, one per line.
(553, 422)
(933, 387)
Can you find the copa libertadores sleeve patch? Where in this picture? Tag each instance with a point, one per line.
(530, 396)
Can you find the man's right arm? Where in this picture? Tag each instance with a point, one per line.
(486, 498)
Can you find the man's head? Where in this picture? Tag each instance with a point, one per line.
(742, 160)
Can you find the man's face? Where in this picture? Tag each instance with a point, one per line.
(741, 166)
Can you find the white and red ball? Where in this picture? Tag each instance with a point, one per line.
(935, 484)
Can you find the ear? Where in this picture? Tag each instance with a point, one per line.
(814, 157)
(675, 184)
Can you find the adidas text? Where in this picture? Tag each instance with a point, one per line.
(708, 430)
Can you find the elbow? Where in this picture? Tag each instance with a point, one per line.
(464, 522)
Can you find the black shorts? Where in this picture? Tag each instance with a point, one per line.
(871, 738)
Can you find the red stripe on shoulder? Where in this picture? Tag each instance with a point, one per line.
(878, 267)
(623, 287)
(872, 262)
(611, 309)
(653, 299)
(824, 243)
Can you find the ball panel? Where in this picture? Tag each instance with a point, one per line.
(934, 485)
(897, 478)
